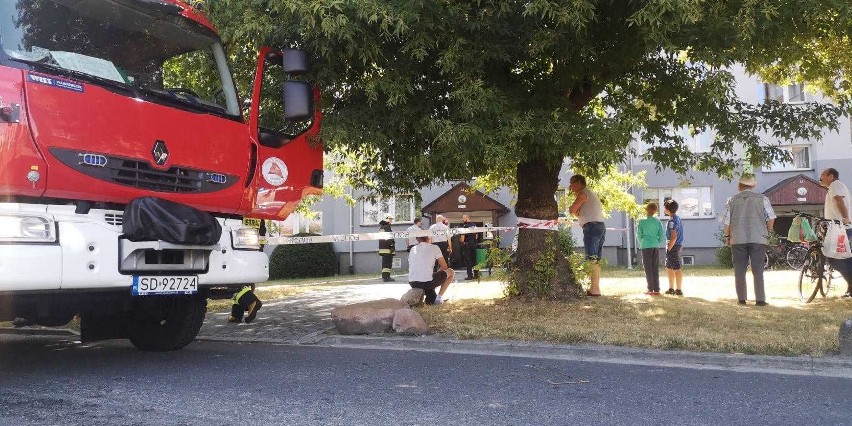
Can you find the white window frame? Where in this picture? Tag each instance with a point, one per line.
(787, 93)
(791, 167)
(695, 141)
(387, 206)
(663, 194)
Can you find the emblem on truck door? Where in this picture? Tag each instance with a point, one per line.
(160, 152)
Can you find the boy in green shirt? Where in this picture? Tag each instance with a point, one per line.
(650, 233)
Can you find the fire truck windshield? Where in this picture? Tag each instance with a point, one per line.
(144, 47)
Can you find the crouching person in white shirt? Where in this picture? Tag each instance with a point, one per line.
(421, 262)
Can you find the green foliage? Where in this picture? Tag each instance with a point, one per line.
(613, 188)
(302, 260)
(723, 252)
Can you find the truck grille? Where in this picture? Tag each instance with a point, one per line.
(140, 174)
(115, 219)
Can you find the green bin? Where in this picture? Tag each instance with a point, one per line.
(481, 257)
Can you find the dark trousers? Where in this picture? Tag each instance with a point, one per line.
(469, 258)
(445, 250)
(242, 305)
(651, 262)
(387, 263)
(743, 255)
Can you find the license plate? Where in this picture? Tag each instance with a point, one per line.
(161, 285)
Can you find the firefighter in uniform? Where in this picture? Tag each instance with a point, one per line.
(386, 249)
(245, 301)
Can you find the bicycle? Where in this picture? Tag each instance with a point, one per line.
(785, 253)
(814, 277)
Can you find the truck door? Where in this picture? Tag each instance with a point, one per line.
(288, 163)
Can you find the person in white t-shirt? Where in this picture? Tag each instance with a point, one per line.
(421, 262)
(412, 241)
(444, 243)
(838, 205)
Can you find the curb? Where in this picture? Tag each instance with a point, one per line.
(804, 365)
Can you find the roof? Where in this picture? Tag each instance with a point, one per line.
(796, 190)
(460, 198)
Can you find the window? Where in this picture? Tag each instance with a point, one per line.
(801, 160)
(401, 207)
(696, 202)
(697, 142)
(791, 93)
(687, 260)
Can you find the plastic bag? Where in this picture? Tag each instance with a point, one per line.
(836, 243)
(808, 231)
(794, 234)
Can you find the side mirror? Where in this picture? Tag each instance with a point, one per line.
(298, 101)
(295, 61)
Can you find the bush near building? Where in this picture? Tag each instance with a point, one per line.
(302, 260)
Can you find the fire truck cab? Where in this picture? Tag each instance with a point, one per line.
(128, 161)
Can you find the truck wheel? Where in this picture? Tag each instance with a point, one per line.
(166, 323)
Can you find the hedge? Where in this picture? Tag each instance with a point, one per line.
(302, 260)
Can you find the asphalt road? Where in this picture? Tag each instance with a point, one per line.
(51, 381)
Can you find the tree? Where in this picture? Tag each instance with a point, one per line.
(422, 91)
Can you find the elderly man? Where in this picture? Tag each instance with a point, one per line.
(838, 207)
(442, 241)
(748, 220)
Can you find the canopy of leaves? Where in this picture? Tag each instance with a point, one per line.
(420, 91)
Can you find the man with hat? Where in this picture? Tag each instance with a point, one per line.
(387, 248)
(748, 220)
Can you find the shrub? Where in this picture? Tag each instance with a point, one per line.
(302, 260)
(723, 252)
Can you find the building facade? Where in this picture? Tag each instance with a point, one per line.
(702, 196)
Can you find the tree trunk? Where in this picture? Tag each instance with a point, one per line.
(540, 269)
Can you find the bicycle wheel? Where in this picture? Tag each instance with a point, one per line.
(796, 257)
(810, 277)
(830, 276)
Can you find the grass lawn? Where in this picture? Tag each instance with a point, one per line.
(706, 319)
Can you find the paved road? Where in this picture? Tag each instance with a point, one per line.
(51, 381)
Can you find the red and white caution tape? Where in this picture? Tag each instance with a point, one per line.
(372, 236)
(524, 222)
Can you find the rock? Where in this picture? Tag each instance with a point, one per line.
(367, 317)
(413, 297)
(846, 338)
(406, 321)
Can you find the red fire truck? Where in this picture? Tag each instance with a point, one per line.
(128, 161)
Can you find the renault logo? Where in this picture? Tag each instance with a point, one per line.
(160, 153)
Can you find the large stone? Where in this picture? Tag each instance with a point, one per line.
(846, 338)
(406, 321)
(366, 317)
(413, 297)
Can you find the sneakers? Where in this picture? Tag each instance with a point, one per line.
(670, 291)
(652, 293)
(678, 293)
(438, 300)
(232, 318)
(846, 295)
(741, 302)
(388, 279)
(252, 311)
(761, 303)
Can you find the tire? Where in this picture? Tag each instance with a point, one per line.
(796, 257)
(810, 278)
(829, 279)
(766, 261)
(164, 323)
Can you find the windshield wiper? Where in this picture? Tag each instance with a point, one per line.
(181, 101)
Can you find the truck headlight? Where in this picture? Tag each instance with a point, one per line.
(246, 238)
(19, 228)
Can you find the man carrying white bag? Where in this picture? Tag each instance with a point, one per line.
(838, 205)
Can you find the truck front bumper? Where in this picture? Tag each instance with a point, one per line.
(89, 253)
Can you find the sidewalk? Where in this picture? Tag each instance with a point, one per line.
(306, 319)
